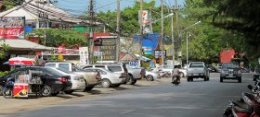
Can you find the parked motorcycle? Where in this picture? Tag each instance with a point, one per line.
(247, 106)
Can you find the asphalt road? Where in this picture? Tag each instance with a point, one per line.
(189, 99)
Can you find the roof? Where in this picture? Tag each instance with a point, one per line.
(33, 10)
(128, 57)
(22, 44)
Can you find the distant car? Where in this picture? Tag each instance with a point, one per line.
(230, 71)
(53, 81)
(197, 70)
(109, 79)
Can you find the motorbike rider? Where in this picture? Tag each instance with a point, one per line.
(176, 74)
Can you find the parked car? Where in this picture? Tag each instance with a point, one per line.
(115, 68)
(197, 70)
(230, 71)
(151, 75)
(77, 80)
(91, 78)
(135, 73)
(53, 81)
(109, 79)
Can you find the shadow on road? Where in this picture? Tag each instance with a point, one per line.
(120, 88)
(95, 92)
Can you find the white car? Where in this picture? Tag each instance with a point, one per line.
(151, 75)
(108, 78)
(78, 81)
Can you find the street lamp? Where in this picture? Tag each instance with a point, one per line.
(187, 40)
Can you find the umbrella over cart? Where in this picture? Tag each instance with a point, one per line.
(21, 61)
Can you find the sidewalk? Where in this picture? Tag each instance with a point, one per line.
(14, 105)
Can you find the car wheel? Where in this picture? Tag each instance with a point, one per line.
(149, 77)
(181, 75)
(117, 85)
(131, 80)
(205, 78)
(89, 88)
(105, 83)
(191, 79)
(46, 91)
(69, 92)
(239, 79)
(221, 79)
(54, 94)
(188, 79)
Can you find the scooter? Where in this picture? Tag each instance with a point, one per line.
(248, 106)
(176, 80)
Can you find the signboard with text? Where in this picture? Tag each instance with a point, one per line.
(12, 27)
(108, 48)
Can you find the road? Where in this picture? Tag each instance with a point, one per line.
(189, 99)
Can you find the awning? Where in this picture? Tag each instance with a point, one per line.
(143, 58)
(22, 44)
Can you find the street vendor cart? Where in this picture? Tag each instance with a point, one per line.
(27, 82)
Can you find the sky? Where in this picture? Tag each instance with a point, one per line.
(78, 7)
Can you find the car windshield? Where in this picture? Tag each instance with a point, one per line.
(114, 68)
(64, 70)
(230, 65)
(196, 65)
(54, 71)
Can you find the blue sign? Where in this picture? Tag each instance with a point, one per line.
(149, 42)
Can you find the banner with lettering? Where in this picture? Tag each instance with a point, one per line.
(12, 27)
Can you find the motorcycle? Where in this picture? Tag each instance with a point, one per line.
(176, 80)
(247, 106)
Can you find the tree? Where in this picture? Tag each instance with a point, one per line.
(241, 17)
(207, 40)
(56, 37)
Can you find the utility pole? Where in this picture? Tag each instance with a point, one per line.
(141, 30)
(177, 30)
(162, 33)
(118, 31)
(91, 40)
(173, 41)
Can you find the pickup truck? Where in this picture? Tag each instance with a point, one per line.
(91, 78)
(197, 70)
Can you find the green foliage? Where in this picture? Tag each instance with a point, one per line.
(5, 48)
(3, 73)
(241, 17)
(56, 37)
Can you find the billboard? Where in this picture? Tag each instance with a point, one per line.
(107, 46)
(12, 27)
(146, 21)
(149, 42)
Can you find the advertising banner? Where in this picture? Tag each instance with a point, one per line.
(12, 27)
(83, 53)
(146, 21)
(20, 90)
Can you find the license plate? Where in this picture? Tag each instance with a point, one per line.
(195, 74)
(230, 75)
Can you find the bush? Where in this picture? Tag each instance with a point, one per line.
(3, 73)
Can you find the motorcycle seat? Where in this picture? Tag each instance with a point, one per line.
(242, 105)
(238, 109)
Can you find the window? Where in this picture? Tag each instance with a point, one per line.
(196, 65)
(50, 65)
(64, 66)
(98, 66)
(114, 68)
